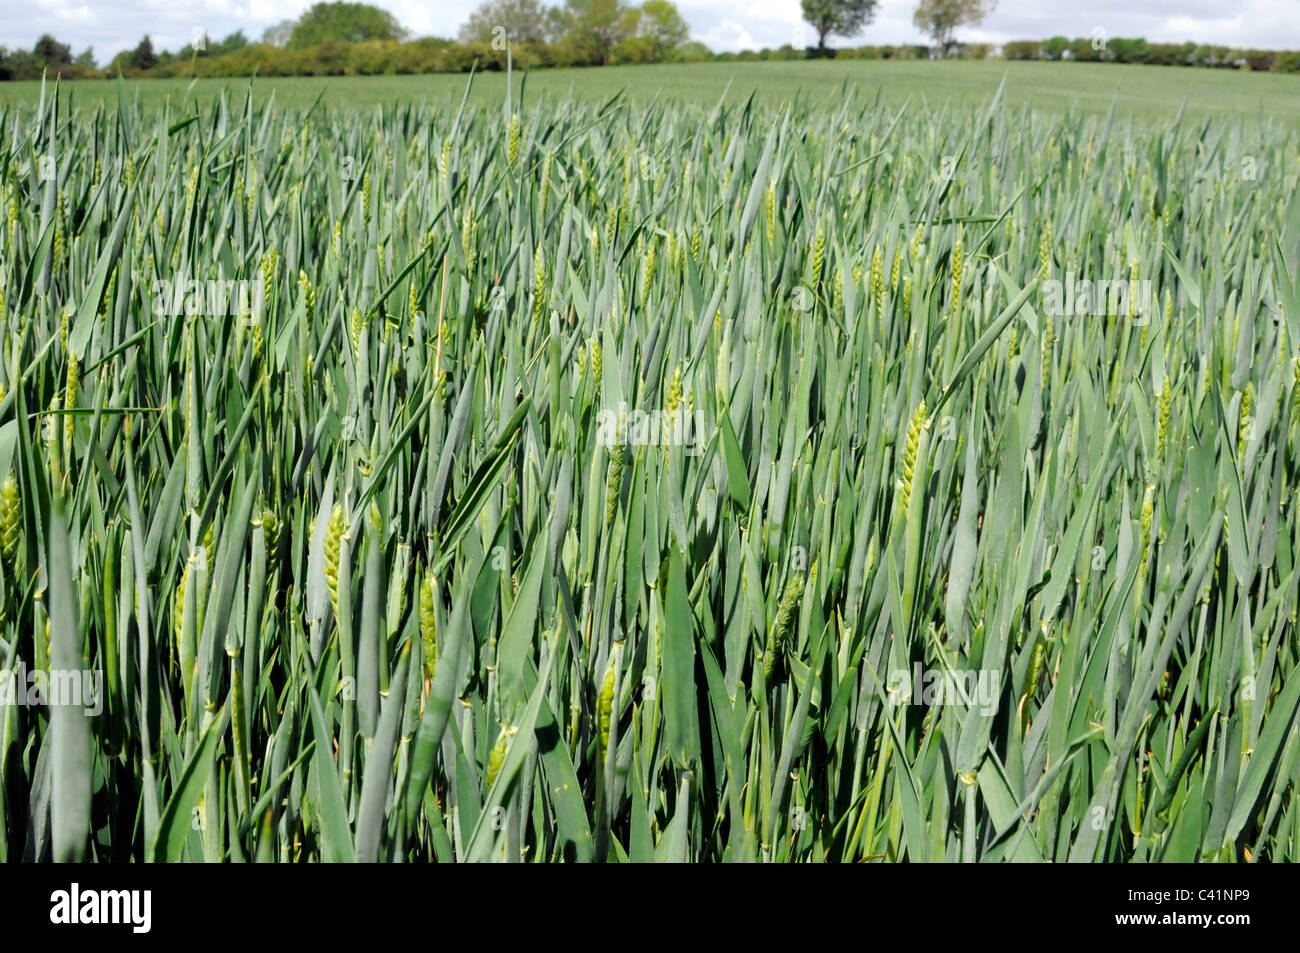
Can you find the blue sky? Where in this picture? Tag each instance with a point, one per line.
(113, 25)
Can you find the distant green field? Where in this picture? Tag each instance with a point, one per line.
(1148, 91)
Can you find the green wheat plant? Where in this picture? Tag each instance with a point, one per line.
(647, 483)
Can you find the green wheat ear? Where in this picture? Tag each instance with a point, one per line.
(605, 705)
(333, 541)
(271, 527)
(11, 522)
(514, 137)
(178, 606)
(1032, 676)
(428, 625)
(914, 428)
(497, 756)
(785, 612)
(818, 257)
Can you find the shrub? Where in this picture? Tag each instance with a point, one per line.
(1021, 50)
(1082, 51)
(1126, 50)
(1287, 61)
(455, 58)
(419, 57)
(692, 52)
(1260, 59)
(1055, 47)
(636, 49)
(372, 58)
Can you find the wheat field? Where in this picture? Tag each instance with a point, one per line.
(555, 480)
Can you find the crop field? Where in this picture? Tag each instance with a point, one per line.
(1149, 92)
(630, 480)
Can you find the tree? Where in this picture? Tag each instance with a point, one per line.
(595, 26)
(837, 17)
(345, 23)
(20, 64)
(519, 21)
(662, 25)
(1125, 50)
(142, 57)
(279, 34)
(939, 19)
(233, 41)
(1054, 47)
(1083, 50)
(649, 32)
(86, 58)
(50, 52)
(633, 47)
(555, 24)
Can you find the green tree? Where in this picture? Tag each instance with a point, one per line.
(50, 52)
(519, 21)
(142, 57)
(1054, 47)
(1082, 50)
(344, 23)
(662, 25)
(234, 41)
(595, 27)
(20, 64)
(86, 58)
(939, 19)
(837, 17)
(555, 24)
(1128, 50)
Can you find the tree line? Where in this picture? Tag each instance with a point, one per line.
(342, 38)
(356, 38)
(1118, 49)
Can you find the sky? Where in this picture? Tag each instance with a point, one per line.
(110, 26)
